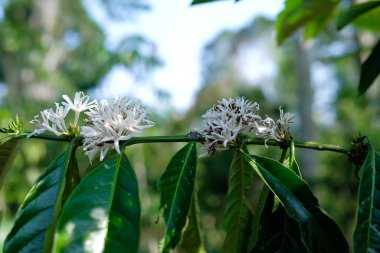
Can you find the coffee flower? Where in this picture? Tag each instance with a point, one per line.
(281, 131)
(81, 103)
(225, 121)
(110, 122)
(55, 122)
(228, 119)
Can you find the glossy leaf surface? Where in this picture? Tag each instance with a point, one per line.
(370, 69)
(319, 232)
(103, 213)
(367, 231)
(238, 217)
(176, 186)
(35, 220)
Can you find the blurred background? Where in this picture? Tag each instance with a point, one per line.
(179, 60)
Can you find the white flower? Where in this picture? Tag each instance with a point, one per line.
(81, 103)
(228, 119)
(51, 121)
(112, 121)
(54, 121)
(282, 125)
(225, 121)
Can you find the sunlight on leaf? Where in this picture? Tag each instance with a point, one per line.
(103, 213)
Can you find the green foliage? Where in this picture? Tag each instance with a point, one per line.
(176, 186)
(297, 13)
(7, 147)
(355, 11)
(319, 232)
(33, 230)
(103, 212)
(367, 232)
(283, 235)
(238, 216)
(192, 239)
(370, 69)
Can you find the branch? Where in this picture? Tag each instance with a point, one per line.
(187, 138)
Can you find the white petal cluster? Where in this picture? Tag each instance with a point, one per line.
(230, 118)
(110, 122)
(54, 121)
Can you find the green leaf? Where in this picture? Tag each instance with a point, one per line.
(260, 211)
(367, 231)
(8, 145)
(355, 11)
(277, 231)
(36, 218)
(370, 69)
(176, 186)
(238, 217)
(103, 213)
(319, 232)
(298, 13)
(191, 240)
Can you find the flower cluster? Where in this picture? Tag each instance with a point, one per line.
(108, 122)
(112, 121)
(230, 118)
(54, 120)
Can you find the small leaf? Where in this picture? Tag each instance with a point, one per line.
(355, 11)
(36, 218)
(319, 232)
(367, 231)
(238, 217)
(298, 13)
(8, 145)
(191, 240)
(370, 69)
(176, 186)
(103, 212)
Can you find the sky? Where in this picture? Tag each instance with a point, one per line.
(180, 32)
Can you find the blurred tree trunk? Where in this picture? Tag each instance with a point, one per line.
(307, 158)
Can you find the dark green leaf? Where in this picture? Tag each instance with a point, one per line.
(355, 11)
(370, 69)
(7, 147)
(277, 231)
(319, 232)
(238, 217)
(260, 211)
(191, 240)
(298, 13)
(36, 218)
(103, 212)
(367, 231)
(176, 186)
